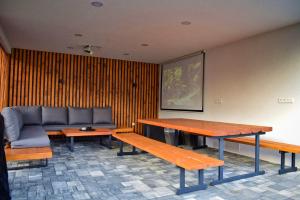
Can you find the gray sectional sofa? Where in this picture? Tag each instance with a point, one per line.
(27, 126)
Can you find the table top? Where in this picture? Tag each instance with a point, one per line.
(75, 132)
(206, 128)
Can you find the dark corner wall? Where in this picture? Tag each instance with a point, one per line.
(4, 69)
(61, 80)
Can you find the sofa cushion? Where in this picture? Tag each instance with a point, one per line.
(20, 119)
(11, 123)
(80, 116)
(32, 115)
(52, 115)
(102, 116)
(31, 136)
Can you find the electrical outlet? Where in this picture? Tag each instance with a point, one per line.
(219, 101)
(285, 100)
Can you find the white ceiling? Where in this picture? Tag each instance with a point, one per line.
(121, 26)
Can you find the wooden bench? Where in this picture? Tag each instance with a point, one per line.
(123, 130)
(24, 154)
(182, 158)
(281, 147)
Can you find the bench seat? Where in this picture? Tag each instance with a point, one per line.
(184, 159)
(28, 154)
(38, 153)
(267, 144)
(283, 148)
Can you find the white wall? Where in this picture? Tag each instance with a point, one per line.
(250, 75)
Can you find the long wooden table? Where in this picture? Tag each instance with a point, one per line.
(218, 130)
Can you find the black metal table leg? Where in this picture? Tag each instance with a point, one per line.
(120, 153)
(256, 172)
(257, 153)
(109, 143)
(71, 144)
(147, 134)
(176, 138)
(204, 145)
(194, 142)
(293, 160)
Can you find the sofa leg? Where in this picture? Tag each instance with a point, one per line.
(71, 144)
(109, 142)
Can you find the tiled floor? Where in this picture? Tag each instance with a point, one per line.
(94, 172)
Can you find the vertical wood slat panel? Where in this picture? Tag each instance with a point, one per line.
(5, 70)
(11, 75)
(30, 78)
(62, 80)
(34, 64)
(19, 79)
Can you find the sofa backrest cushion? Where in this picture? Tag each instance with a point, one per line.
(80, 116)
(11, 123)
(51, 115)
(102, 116)
(20, 119)
(32, 115)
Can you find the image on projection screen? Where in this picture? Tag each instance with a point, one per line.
(182, 84)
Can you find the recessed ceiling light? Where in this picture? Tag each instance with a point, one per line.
(78, 35)
(185, 23)
(69, 47)
(125, 54)
(144, 45)
(97, 4)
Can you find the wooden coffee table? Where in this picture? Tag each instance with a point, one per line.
(75, 132)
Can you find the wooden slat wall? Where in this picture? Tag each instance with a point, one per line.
(61, 80)
(4, 65)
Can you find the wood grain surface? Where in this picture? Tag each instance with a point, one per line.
(61, 80)
(206, 128)
(267, 144)
(28, 153)
(186, 159)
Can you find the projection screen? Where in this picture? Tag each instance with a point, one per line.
(182, 84)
